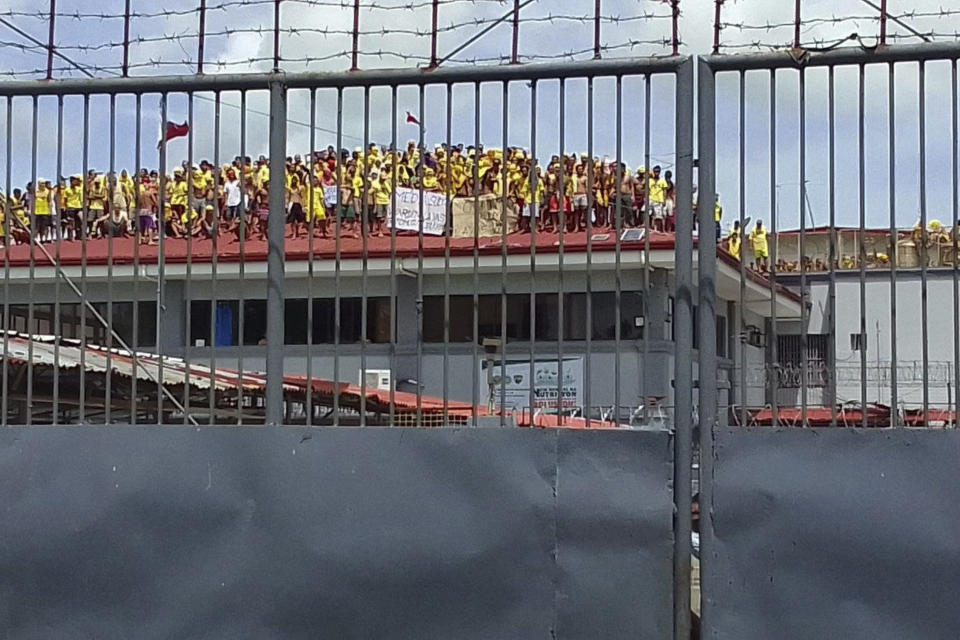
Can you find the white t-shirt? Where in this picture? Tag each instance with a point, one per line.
(232, 190)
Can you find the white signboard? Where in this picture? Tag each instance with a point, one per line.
(408, 211)
(516, 385)
(330, 196)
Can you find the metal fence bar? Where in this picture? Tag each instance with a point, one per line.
(683, 358)
(420, 173)
(7, 225)
(342, 188)
(394, 182)
(356, 38)
(645, 370)
(832, 292)
(803, 243)
(34, 239)
(214, 242)
(52, 25)
(619, 196)
(475, 362)
(58, 231)
(365, 211)
(504, 194)
(201, 31)
(275, 255)
(741, 238)
(312, 211)
(161, 254)
(707, 317)
(247, 207)
(136, 258)
(113, 185)
(534, 222)
(126, 39)
(924, 253)
(861, 247)
(772, 250)
(448, 232)
(417, 77)
(955, 133)
(591, 207)
(193, 203)
(562, 294)
(276, 36)
(892, 160)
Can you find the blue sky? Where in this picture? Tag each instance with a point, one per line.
(543, 38)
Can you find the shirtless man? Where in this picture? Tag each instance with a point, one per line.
(580, 200)
(623, 202)
(147, 208)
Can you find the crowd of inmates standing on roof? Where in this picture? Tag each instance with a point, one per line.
(353, 190)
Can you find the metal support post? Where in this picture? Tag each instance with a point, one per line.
(275, 247)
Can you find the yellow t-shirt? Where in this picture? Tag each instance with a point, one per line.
(758, 238)
(383, 192)
(657, 189)
(319, 206)
(42, 204)
(97, 195)
(733, 243)
(74, 197)
(178, 193)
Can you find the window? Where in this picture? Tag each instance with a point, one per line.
(721, 336)
(858, 342)
(546, 317)
(78, 320)
(226, 323)
(790, 357)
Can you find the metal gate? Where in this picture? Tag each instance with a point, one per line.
(826, 530)
(453, 310)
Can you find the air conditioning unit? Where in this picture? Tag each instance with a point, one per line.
(380, 379)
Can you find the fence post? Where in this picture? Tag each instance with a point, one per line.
(53, 15)
(275, 253)
(683, 358)
(707, 315)
(202, 28)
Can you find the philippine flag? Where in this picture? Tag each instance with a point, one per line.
(173, 130)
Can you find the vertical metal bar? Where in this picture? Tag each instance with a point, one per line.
(161, 261)
(200, 34)
(136, 262)
(504, 189)
(562, 196)
(356, 41)
(420, 172)
(596, 29)
(683, 359)
(534, 221)
(676, 26)
(773, 368)
(832, 291)
(861, 250)
(212, 396)
(803, 246)
(114, 185)
(448, 232)
(58, 222)
(126, 44)
(743, 267)
(276, 39)
(7, 213)
(34, 240)
(393, 252)
(53, 16)
(589, 271)
(707, 297)
(433, 34)
(188, 280)
(883, 22)
(365, 230)
(336, 262)
(313, 178)
(956, 222)
(476, 255)
(796, 25)
(716, 26)
(241, 312)
(646, 250)
(275, 256)
(924, 253)
(516, 32)
(82, 307)
(618, 226)
(892, 160)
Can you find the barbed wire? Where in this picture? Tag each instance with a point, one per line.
(231, 4)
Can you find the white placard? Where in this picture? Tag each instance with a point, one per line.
(408, 211)
(516, 387)
(330, 196)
